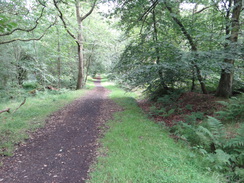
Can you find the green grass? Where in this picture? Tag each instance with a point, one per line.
(135, 149)
(30, 116)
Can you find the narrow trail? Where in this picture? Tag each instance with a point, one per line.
(64, 149)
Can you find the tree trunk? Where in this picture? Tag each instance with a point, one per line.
(225, 86)
(79, 38)
(193, 86)
(155, 39)
(59, 61)
(80, 79)
(193, 48)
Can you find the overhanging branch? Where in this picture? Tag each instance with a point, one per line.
(31, 39)
(63, 21)
(149, 10)
(91, 10)
(26, 30)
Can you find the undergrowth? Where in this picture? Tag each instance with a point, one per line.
(135, 149)
(209, 137)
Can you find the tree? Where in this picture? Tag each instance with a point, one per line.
(194, 31)
(78, 38)
(225, 86)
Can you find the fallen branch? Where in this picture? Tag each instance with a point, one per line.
(19, 106)
(5, 110)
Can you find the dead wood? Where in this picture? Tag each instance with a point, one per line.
(51, 88)
(19, 106)
(5, 110)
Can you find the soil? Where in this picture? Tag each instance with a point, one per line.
(186, 104)
(62, 151)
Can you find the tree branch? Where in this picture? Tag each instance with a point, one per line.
(26, 30)
(183, 29)
(202, 9)
(19, 106)
(62, 19)
(149, 10)
(91, 10)
(31, 39)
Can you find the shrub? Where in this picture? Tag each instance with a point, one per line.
(30, 85)
(209, 139)
(234, 109)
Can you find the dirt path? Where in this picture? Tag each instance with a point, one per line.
(63, 150)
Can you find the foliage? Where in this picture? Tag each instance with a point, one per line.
(210, 140)
(234, 109)
(173, 45)
(51, 60)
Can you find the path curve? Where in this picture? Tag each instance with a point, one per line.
(64, 149)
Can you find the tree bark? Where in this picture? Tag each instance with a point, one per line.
(225, 86)
(80, 80)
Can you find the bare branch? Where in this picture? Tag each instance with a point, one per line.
(31, 39)
(149, 10)
(213, 5)
(5, 110)
(202, 9)
(19, 106)
(26, 30)
(91, 10)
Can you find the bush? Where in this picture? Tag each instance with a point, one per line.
(210, 139)
(30, 85)
(234, 109)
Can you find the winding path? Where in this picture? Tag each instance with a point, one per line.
(64, 149)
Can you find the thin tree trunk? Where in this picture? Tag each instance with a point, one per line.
(193, 86)
(155, 38)
(225, 86)
(88, 63)
(59, 61)
(193, 49)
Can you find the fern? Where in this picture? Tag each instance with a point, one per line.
(216, 128)
(238, 141)
(234, 109)
(205, 135)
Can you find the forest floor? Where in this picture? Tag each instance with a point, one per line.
(187, 104)
(64, 149)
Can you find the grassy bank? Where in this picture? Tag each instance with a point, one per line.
(32, 115)
(135, 149)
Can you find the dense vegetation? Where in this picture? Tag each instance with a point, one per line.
(183, 44)
(39, 40)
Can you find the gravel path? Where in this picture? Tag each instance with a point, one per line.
(64, 149)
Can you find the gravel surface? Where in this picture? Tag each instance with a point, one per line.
(64, 149)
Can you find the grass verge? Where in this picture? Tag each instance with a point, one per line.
(30, 116)
(135, 149)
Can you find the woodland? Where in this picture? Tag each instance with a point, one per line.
(148, 44)
(163, 48)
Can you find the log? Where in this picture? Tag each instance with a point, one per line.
(51, 88)
(5, 110)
